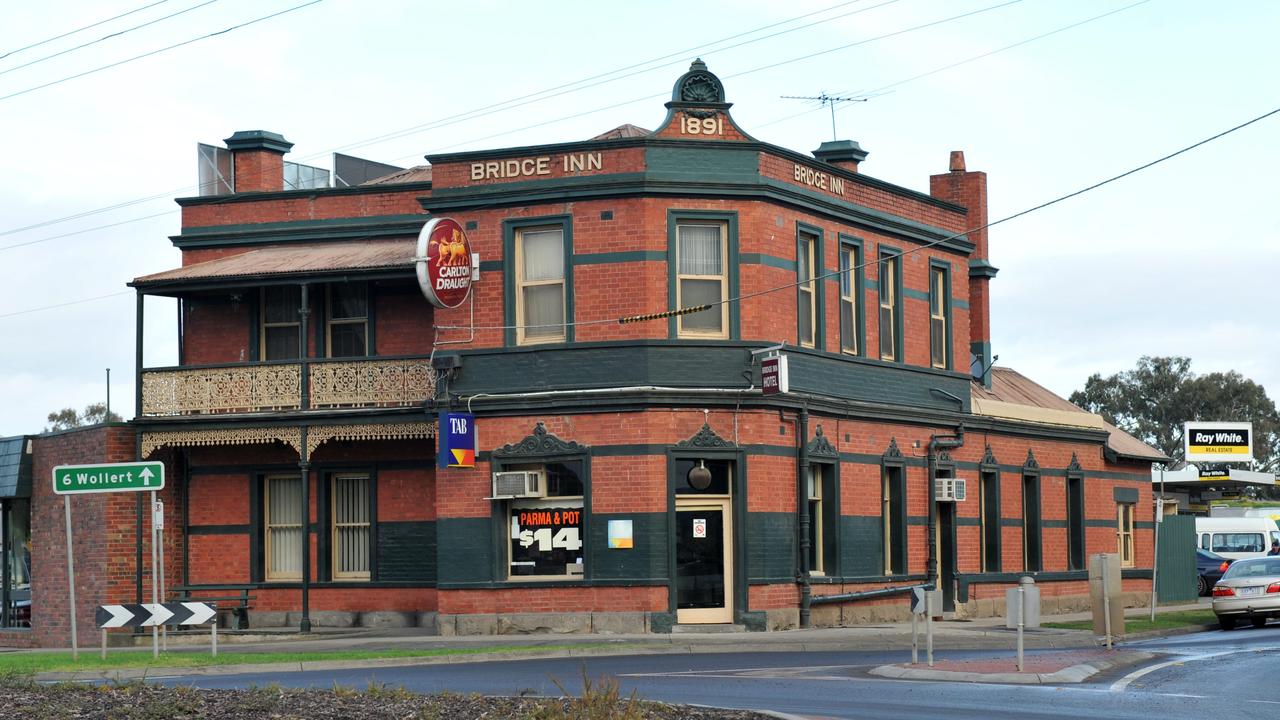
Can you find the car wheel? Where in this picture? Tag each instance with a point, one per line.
(1202, 586)
(1258, 621)
(1226, 623)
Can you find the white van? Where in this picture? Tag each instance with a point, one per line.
(1236, 537)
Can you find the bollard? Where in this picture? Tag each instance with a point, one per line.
(1022, 619)
(915, 641)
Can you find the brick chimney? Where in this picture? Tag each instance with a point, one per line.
(259, 160)
(969, 189)
(845, 154)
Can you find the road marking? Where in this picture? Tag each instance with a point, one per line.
(1266, 702)
(1125, 681)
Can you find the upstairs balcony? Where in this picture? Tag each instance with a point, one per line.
(274, 387)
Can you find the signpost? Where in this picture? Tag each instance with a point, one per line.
(71, 480)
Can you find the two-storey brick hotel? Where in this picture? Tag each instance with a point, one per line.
(660, 486)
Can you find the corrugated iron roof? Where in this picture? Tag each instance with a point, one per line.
(415, 174)
(624, 131)
(1012, 388)
(15, 467)
(296, 260)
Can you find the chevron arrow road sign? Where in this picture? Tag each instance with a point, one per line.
(151, 614)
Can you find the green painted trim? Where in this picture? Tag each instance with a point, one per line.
(492, 265)
(897, 511)
(1100, 523)
(910, 294)
(1124, 495)
(772, 261)
(959, 303)
(980, 268)
(500, 517)
(1032, 520)
(884, 252)
(1077, 548)
(730, 219)
(738, 508)
(990, 474)
(294, 231)
(859, 292)
(1144, 525)
(628, 256)
(509, 229)
(819, 291)
(947, 315)
(720, 145)
(621, 185)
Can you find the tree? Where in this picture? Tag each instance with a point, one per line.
(1153, 400)
(68, 418)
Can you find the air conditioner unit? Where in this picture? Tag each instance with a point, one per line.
(949, 489)
(519, 484)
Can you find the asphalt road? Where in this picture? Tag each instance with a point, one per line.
(1206, 675)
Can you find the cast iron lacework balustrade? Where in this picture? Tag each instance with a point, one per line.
(242, 388)
(277, 387)
(372, 383)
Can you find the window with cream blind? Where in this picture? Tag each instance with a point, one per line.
(701, 279)
(350, 501)
(282, 508)
(540, 286)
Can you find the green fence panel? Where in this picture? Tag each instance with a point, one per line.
(1176, 560)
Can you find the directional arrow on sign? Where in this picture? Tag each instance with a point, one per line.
(152, 614)
(146, 476)
(110, 616)
(159, 613)
(201, 613)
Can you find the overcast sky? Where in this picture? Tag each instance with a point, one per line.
(1178, 259)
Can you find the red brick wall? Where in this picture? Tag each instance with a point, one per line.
(102, 527)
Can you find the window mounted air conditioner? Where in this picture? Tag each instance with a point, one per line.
(949, 489)
(519, 484)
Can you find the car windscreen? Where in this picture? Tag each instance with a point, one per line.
(1238, 542)
(1253, 568)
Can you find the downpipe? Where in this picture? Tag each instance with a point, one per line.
(937, 442)
(802, 507)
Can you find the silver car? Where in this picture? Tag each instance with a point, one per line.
(1248, 589)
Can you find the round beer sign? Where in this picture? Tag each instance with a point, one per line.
(443, 263)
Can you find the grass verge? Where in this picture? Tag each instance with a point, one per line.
(1138, 624)
(25, 664)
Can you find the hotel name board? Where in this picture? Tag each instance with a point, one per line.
(818, 179)
(568, 164)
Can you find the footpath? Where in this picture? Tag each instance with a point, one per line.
(1052, 655)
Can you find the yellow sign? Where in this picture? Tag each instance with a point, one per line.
(1218, 442)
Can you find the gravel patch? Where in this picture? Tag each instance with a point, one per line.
(141, 701)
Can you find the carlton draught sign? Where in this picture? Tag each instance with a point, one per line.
(443, 263)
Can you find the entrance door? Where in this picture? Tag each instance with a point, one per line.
(946, 554)
(704, 566)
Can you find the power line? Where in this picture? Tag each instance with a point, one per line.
(472, 114)
(65, 304)
(883, 88)
(86, 230)
(734, 75)
(86, 27)
(788, 286)
(925, 246)
(552, 93)
(107, 37)
(157, 52)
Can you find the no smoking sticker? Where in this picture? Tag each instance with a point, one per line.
(699, 527)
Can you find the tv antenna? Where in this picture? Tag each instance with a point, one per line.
(825, 99)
